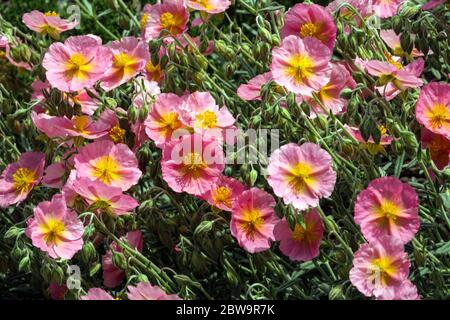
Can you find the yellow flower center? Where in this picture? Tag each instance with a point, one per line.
(252, 222)
(80, 123)
(2, 54)
(168, 21)
(206, 120)
(52, 230)
(144, 20)
(78, 66)
(23, 180)
(106, 169)
(222, 195)
(300, 177)
(438, 116)
(204, 3)
(153, 71)
(308, 30)
(300, 68)
(382, 270)
(125, 62)
(116, 133)
(388, 212)
(51, 13)
(168, 123)
(193, 163)
(391, 60)
(382, 129)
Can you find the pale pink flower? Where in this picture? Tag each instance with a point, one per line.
(301, 175)
(310, 20)
(113, 164)
(77, 63)
(253, 220)
(19, 178)
(303, 243)
(406, 291)
(55, 229)
(370, 144)
(4, 44)
(393, 41)
(223, 193)
(192, 164)
(97, 294)
(252, 90)
(53, 175)
(209, 6)
(145, 291)
(386, 8)
(301, 65)
(388, 207)
(47, 23)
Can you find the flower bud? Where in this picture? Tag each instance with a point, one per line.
(336, 293)
(132, 114)
(119, 260)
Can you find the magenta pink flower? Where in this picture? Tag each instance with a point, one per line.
(253, 220)
(77, 63)
(301, 65)
(112, 275)
(129, 58)
(406, 291)
(210, 6)
(301, 175)
(57, 291)
(433, 108)
(252, 90)
(164, 118)
(113, 164)
(330, 94)
(115, 133)
(393, 41)
(370, 144)
(432, 4)
(303, 243)
(388, 207)
(223, 193)
(171, 15)
(47, 23)
(78, 126)
(203, 114)
(438, 145)
(192, 164)
(55, 229)
(19, 178)
(4, 44)
(106, 198)
(380, 267)
(97, 294)
(145, 291)
(53, 176)
(386, 8)
(310, 20)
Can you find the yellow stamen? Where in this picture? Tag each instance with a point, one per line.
(116, 133)
(204, 3)
(144, 20)
(308, 30)
(106, 169)
(51, 13)
(169, 22)
(206, 120)
(300, 68)
(438, 116)
(252, 222)
(23, 180)
(52, 230)
(383, 270)
(80, 123)
(153, 71)
(193, 164)
(222, 195)
(301, 177)
(78, 66)
(388, 212)
(168, 123)
(125, 62)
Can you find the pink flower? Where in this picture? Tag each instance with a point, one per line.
(303, 243)
(164, 118)
(97, 294)
(386, 8)
(433, 108)
(112, 275)
(394, 78)
(55, 229)
(154, 72)
(113, 164)
(370, 144)
(78, 126)
(129, 58)
(393, 41)
(223, 193)
(439, 147)
(310, 20)
(202, 114)
(53, 176)
(253, 220)
(110, 121)
(210, 6)
(252, 90)
(406, 291)
(171, 15)
(57, 291)
(380, 267)
(145, 291)
(19, 178)
(388, 207)
(301, 175)
(88, 104)
(77, 63)
(301, 65)
(47, 23)
(192, 164)
(100, 196)
(4, 44)
(432, 4)
(330, 94)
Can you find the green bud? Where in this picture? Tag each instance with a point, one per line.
(111, 102)
(119, 260)
(143, 112)
(24, 263)
(410, 139)
(265, 34)
(406, 43)
(95, 268)
(88, 252)
(204, 227)
(132, 114)
(142, 278)
(397, 24)
(252, 177)
(336, 293)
